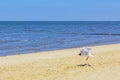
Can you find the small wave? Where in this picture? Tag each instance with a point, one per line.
(100, 34)
(23, 40)
(5, 41)
(38, 31)
(75, 33)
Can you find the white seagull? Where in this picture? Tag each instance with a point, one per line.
(85, 51)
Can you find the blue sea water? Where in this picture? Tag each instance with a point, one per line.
(35, 36)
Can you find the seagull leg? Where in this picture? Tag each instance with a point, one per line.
(87, 58)
(88, 62)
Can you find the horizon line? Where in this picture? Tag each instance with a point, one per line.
(57, 21)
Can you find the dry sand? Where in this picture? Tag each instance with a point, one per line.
(63, 65)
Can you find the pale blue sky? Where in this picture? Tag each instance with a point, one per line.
(59, 10)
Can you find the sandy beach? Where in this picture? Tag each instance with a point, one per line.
(63, 65)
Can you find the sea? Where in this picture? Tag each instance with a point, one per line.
(23, 37)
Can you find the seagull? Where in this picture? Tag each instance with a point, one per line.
(85, 51)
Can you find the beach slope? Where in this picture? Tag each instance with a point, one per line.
(63, 65)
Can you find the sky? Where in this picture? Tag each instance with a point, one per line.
(59, 10)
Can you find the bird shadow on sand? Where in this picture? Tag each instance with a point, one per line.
(82, 65)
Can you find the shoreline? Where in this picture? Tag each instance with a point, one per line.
(91, 45)
(87, 45)
(63, 64)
